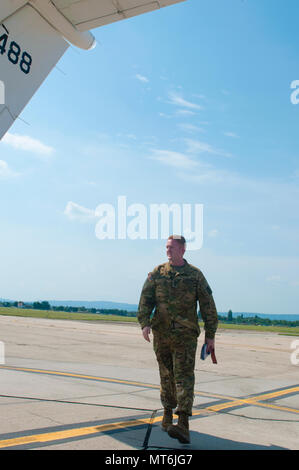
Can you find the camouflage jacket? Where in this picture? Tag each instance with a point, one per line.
(171, 294)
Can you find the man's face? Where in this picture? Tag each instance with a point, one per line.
(174, 251)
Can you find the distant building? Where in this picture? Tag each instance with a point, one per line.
(20, 304)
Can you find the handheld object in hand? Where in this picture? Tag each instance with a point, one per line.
(204, 354)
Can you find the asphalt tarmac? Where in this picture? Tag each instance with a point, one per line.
(77, 385)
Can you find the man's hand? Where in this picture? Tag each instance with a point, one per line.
(210, 344)
(146, 332)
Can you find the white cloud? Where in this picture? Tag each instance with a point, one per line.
(197, 95)
(28, 144)
(76, 212)
(196, 146)
(231, 134)
(190, 128)
(178, 100)
(184, 112)
(141, 78)
(208, 174)
(174, 159)
(202, 172)
(163, 115)
(5, 171)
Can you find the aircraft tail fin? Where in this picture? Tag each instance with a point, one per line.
(29, 49)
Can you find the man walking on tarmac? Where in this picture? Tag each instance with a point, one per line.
(171, 292)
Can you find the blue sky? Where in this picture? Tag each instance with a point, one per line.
(187, 105)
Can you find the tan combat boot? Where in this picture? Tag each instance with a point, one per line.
(180, 431)
(167, 419)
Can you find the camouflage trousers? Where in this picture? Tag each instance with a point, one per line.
(175, 351)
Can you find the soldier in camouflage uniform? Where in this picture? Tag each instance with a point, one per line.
(168, 305)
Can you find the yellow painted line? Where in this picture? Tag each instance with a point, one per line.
(105, 379)
(276, 394)
(214, 395)
(73, 433)
(80, 376)
(78, 432)
(277, 407)
(265, 396)
(224, 406)
(91, 430)
(234, 402)
(257, 400)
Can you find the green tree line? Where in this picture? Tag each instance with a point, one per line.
(255, 320)
(45, 305)
(229, 318)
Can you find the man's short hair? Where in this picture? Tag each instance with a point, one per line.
(178, 238)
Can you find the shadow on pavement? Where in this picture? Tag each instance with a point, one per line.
(159, 440)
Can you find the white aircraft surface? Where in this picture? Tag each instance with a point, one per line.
(34, 34)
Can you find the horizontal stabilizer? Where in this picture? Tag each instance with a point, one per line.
(90, 14)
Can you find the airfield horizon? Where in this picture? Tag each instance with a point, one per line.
(96, 317)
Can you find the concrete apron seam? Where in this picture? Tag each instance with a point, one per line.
(74, 402)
